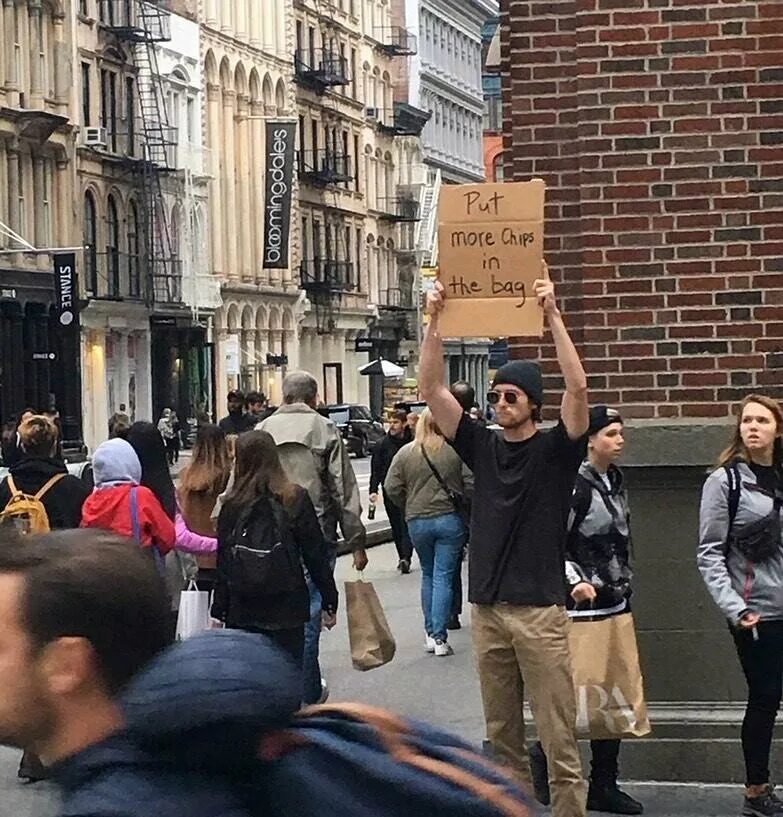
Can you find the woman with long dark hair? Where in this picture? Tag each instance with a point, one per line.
(181, 566)
(741, 560)
(155, 474)
(266, 528)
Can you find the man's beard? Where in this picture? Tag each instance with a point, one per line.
(512, 423)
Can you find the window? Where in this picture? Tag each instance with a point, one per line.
(86, 101)
(109, 106)
(46, 202)
(191, 120)
(311, 47)
(134, 270)
(356, 160)
(305, 239)
(112, 248)
(354, 89)
(346, 156)
(130, 115)
(83, 10)
(498, 171)
(90, 238)
(358, 261)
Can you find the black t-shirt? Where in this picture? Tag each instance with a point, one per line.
(767, 477)
(522, 493)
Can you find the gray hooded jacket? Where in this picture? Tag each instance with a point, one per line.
(735, 583)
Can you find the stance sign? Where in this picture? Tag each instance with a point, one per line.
(66, 289)
(280, 138)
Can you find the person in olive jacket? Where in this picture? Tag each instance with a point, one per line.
(425, 479)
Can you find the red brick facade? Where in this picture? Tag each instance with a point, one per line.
(658, 127)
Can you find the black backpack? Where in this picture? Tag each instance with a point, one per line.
(264, 561)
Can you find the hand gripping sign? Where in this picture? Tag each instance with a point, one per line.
(490, 249)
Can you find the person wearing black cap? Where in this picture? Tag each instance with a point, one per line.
(599, 573)
(523, 484)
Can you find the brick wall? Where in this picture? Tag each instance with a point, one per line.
(658, 127)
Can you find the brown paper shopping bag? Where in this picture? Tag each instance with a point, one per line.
(372, 643)
(607, 679)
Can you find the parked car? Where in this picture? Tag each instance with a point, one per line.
(361, 432)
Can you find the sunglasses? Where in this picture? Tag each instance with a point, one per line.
(511, 397)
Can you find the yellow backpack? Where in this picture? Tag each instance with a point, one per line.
(27, 513)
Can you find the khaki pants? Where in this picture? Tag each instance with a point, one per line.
(526, 648)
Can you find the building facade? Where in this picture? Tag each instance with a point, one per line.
(247, 62)
(38, 366)
(658, 131)
(140, 202)
(445, 78)
(355, 191)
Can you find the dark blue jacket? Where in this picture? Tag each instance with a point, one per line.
(193, 720)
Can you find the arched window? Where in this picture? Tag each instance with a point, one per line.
(90, 238)
(112, 248)
(498, 171)
(134, 246)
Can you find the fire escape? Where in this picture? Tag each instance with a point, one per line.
(142, 24)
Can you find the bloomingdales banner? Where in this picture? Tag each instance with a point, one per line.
(280, 139)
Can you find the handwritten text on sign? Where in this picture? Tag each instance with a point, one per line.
(490, 251)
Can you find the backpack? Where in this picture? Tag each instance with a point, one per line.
(354, 759)
(27, 513)
(262, 561)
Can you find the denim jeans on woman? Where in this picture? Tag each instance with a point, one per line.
(438, 541)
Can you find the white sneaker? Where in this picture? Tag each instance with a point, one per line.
(430, 644)
(443, 648)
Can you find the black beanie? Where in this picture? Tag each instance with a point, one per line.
(601, 417)
(524, 375)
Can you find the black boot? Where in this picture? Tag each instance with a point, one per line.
(31, 770)
(603, 794)
(540, 773)
(611, 800)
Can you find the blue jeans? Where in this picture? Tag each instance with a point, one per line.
(312, 641)
(438, 541)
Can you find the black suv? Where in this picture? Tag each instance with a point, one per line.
(360, 431)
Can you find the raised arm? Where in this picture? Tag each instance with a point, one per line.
(445, 409)
(574, 410)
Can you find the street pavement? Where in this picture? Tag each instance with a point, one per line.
(441, 690)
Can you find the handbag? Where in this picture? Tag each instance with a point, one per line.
(193, 616)
(458, 500)
(608, 682)
(371, 639)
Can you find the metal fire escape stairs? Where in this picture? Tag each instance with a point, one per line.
(165, 276)
(427, 243)
(143, 24)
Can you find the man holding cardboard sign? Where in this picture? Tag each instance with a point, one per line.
(523, 484)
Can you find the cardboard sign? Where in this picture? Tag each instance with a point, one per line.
(491, 248)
